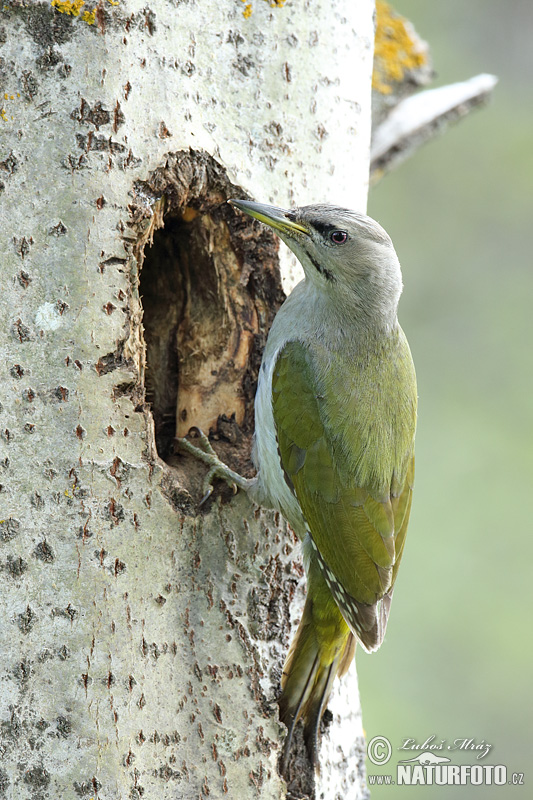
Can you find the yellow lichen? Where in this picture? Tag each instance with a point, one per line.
(397, 50)
(113, 2)
(3, 110)
(248, 8)
(71, 7)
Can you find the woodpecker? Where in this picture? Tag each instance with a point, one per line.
(335, 420)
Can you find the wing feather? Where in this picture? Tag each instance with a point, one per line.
(358, 531)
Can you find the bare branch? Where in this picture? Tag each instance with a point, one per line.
(422, 117)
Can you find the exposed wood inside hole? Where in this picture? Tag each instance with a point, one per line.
(209, 288)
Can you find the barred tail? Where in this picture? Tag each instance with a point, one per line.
(322, 648)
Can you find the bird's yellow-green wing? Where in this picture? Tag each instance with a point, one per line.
(357, 530)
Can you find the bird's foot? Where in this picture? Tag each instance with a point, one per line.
(217, 468)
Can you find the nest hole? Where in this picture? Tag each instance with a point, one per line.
(209, 288)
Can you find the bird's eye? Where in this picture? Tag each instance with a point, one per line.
(338, 237)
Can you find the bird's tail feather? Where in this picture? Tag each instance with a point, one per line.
(322, 648)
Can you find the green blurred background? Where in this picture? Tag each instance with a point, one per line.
(458, 656)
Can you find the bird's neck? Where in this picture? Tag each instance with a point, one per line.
(345, 323)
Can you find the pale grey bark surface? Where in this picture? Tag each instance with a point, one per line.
(141, 642)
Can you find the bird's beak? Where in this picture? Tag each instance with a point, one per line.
(270, 215)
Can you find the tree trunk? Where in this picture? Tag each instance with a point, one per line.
(143, 636)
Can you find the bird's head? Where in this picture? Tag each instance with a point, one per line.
(344, 253)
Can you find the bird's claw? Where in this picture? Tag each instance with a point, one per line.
(217, 472)
(207, 494)
(217, 468)
(204, 442)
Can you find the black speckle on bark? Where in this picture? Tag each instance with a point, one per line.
(22, 245)
(178, 497)
(69, 612)
(9, 164)
(45, 25)
(36, 500)
(9, 528)
(235, 38)
(16, 566)
(48, 60)
(21, 332)
(119, 470)
(63, 653)
(58, 230)
(30, 85)
(26, 620)
(118, 117)
(120, 567)
(124, 389)
(24, 279)
(244, 64)
(96, 115)
(61, 394)
(115, 511)
(83, 789)
(38, 777)
(85, 680)
(22, 672)
(45, 655)
(4, 783)
(17, 371)
(89, 787)
(149, 21)
(188, 69)
(167, 773)
(98, 143)
(49, 471)
(11, 729)
(64, 70)
(44, 552)
(110, 362)
(64, 726)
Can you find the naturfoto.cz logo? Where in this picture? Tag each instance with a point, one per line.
(427, 768)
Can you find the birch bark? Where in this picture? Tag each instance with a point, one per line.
(143, 640)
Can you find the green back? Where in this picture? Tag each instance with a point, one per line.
(345, 426)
